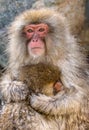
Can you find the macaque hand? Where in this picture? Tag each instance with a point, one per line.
(41, 103)
(14, 91)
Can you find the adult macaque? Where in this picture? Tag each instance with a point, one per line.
(43, 36)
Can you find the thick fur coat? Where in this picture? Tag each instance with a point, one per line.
(69, 109)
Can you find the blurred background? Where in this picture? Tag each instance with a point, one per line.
(8, 10)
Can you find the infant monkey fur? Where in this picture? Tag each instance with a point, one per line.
(41, 78)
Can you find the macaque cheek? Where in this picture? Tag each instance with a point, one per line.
(36, 47)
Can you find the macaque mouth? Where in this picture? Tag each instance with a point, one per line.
(36, 48)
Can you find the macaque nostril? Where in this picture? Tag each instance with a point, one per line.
(35, 40)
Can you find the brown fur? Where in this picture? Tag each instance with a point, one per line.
(40, 78)
(69, 109)
(74, 10)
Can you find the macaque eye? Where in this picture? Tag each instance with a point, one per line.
(30, 30)
(41, 30)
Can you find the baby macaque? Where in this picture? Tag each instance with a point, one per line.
(41, 78)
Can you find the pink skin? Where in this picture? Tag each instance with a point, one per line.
(58, 86)
(36, 34)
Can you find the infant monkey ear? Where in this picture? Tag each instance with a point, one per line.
(57, 87)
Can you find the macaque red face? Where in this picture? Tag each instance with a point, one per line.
(35, 34)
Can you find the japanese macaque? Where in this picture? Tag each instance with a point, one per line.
(43, 36)
(41, 78)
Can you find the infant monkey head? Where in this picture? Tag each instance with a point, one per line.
(41, 78)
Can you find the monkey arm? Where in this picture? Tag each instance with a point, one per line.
(62, 103)
(12, 90)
